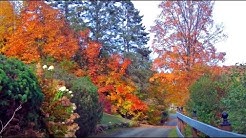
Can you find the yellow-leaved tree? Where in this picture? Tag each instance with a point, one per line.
(8, 21)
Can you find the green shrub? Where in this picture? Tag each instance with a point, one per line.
(18, 85)
(204, 99)
(235, 101)
(88, 106)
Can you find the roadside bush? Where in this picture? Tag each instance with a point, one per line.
(154, 115)
(211, 95)
(18, 86)
(235, 101)
(204, 98)
(57, 108)
(88, 106)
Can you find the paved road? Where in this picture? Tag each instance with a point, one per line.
(141, 132)
(172, 120)
(146, 130)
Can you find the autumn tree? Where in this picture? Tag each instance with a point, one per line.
(42, 33)
(119, 89)
(8, 22)
(71, 9)
(117, 25)
(185, 34)
(116, 90)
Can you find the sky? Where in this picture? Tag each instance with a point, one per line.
(230, 13)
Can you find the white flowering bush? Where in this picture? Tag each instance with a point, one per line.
(45, 66)
(63, 91)
(58, 109)
(51, 68)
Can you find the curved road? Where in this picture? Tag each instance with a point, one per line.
(146, 130)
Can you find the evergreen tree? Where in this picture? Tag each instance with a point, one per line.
(117, 25)
(72, 10)
(102, 19)
(133, 33)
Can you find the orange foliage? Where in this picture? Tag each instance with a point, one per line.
(8, 21)
(118, 88)
(85, 33)
(184, 44)
(114, 88)
(42, 32)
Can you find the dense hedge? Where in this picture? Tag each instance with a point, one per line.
(88, 106)
(212, 94)
(204, 99)
(235, 100)
(18, 85)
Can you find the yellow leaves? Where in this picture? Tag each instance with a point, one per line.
(8, 21)
(113, 97)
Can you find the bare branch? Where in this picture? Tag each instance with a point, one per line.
(3, 127)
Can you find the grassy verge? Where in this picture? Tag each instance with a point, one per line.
(188, 131)
(173, 133)
(112, 119)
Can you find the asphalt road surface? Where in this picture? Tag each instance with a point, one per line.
(146, 130)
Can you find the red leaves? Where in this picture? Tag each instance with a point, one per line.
(106, 88)
(85, 33)
(167, 3)
(137, 105)
(115, 89)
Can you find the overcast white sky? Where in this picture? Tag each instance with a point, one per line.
(230, 13)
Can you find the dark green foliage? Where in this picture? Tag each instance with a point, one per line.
(88, 106)
(132, 32)
(235, 101)
(117, 25)
(139, 71)
(18, 85)
(211, 95)
(71, 13)
(204, 100)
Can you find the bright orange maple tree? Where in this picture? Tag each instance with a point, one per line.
(8, 22)
(185, 35)
(119, 89)
(42, 33)
(116, 90)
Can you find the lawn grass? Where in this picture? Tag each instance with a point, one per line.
(108, 119)
(112, 119)
(173, 133)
